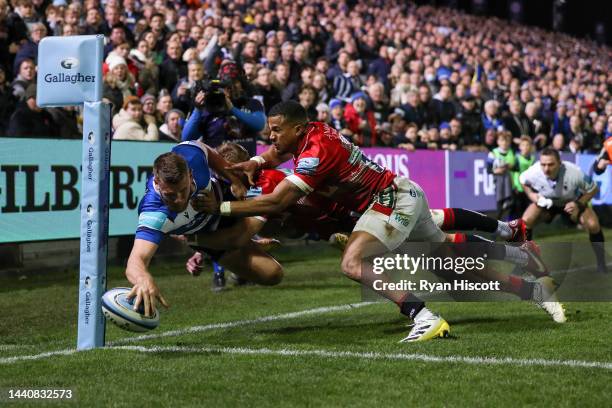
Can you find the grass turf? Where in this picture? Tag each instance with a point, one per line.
(39, 315)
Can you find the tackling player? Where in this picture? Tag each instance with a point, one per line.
(558, 187)
(394, 209)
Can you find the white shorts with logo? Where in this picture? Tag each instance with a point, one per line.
(400, 213)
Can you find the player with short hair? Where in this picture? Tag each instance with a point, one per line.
(557, 187)
(394, 209)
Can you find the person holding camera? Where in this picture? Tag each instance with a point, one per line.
(183, 93)
(224, 111)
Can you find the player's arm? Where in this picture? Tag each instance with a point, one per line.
(220, 166)
(236, 236)
(284, 195)
(584, 199)
(270, 159)
(145, 289)
(532, 195)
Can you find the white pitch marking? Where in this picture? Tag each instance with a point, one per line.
(374, 356)
(195, 329)
(214, 326)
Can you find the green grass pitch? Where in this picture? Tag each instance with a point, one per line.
(500, 354)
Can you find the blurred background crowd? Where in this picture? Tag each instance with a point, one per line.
(384, 73)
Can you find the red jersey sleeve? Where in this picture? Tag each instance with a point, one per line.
(314, 164)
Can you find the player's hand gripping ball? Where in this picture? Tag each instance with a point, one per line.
(119, 310)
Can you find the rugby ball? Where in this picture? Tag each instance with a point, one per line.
(119, 310)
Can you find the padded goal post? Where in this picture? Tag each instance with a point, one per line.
(70, 74)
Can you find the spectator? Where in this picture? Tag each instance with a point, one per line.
(516, 122)
(308, 99)
(347, 83)
(524, 159)
(29, 49)
(173, 68)
(131, 124)
(184, 91)
(240, 120)
(501, 162)
(337, 116)
(31, 121)
(323, 114)
(360, 121)
(26, 76)
(173, 126)
(444, 107)
(118, 82)
(263, 88)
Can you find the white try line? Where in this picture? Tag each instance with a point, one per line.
(538, 362)
(196, 329)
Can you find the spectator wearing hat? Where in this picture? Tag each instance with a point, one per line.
(119, 83)
(31, 121)
(240, 120)
(323, 114)
(336, 117)
(26, 76)
(173, 126)
(131, 124)
(361, 121)
(447, 140)
(149, 107)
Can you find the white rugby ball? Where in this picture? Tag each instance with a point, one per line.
(119, 310)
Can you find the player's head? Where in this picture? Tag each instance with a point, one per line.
(233, 153)
(173, 180)
(287, 122)
(550, 161)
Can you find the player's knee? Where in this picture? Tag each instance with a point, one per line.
(592, 224)
(273, 276)
(351, 267)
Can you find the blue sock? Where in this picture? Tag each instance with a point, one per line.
(218, 269)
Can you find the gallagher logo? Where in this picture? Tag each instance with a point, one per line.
(69, 63)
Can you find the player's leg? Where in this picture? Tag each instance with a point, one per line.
(382, 229)
(532, 215)
(253, 264)
(467, 220)
(590, 221)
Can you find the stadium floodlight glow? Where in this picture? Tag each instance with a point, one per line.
(69, 74)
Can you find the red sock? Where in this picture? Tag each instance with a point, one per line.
(449, 219)
(459, 237)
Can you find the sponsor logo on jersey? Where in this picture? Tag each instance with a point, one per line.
(307, 166)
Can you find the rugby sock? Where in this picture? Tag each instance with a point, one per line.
(218, 269)
(520, 287)
(516, 255)
(503, 229)
(529, 234)
(410, 305)
(467, 220)
(597, 242)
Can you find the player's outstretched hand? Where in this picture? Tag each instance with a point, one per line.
(147, 292)
(194, 264)
(248, 167)
(206, 202)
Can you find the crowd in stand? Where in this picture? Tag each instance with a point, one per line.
(384, 73)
